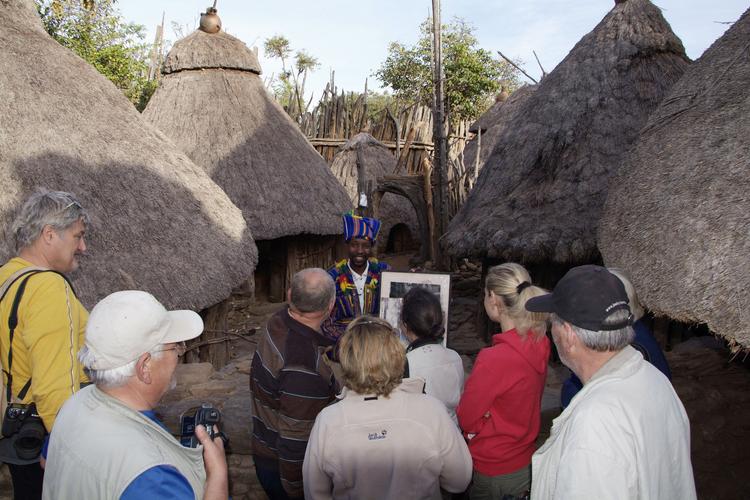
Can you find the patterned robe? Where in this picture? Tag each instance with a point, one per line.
(347, 307)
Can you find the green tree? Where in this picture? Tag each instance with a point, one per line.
(95, 30)
(289, 87)
(472, 75)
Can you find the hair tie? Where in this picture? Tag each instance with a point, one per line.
(522, 286)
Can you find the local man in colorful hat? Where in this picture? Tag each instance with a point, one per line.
(358, 277)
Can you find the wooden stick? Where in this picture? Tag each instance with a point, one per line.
(544, 73)
(517, 67)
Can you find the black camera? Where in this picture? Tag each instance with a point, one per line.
(205, 415)
(25, 426)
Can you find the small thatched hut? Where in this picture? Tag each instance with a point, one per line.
(364, 154)
(159, 223)
(214, 105)
(539, 196)
(677, 213)
(489, 127)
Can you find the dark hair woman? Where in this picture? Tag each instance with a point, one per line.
(441, 368)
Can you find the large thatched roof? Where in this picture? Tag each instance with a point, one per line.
(540, 193)
(491, 124)
(677, 213)
(159, 223)
(214, 105)
(378, 161)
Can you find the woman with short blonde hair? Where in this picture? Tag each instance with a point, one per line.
(371, 356)
(385, 438)
(500, 409)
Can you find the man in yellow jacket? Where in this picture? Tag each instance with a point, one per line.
(43, 367)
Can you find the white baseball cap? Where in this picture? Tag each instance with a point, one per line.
(126, 324)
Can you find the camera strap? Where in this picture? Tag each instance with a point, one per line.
(25, 273)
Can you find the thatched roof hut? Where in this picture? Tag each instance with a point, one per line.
(677, 213)
(159, 223)
(214, 105)
(395, 212)
(540, 193)
(489, 127)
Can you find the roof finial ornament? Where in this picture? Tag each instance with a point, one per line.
(210, 21)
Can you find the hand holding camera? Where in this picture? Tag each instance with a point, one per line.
(205, 416)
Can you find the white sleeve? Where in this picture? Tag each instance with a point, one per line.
(317, 484)
(456, 473)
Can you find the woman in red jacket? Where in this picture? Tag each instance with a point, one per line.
(500, 409)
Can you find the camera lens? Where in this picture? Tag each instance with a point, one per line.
(28, 442)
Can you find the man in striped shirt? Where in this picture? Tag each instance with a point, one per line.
(291, 383)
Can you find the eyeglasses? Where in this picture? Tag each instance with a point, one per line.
(181, 348)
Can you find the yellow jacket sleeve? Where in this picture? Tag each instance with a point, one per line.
(51, 329)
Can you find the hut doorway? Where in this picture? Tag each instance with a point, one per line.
(280, 259)
(400, 240)
(270, 272)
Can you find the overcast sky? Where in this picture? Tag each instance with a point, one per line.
(351, 37)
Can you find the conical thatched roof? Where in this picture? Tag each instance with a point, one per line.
(201, 50)
(677, 213)
(378, 162)
(540, 193)
(214, 105)
(158, 221)
(492, 124)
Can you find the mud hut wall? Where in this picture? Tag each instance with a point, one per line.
(310, 251)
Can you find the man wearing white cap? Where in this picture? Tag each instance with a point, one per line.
(107, 441)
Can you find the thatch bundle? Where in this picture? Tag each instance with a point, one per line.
(677, 213)
(540, 193)
(159, 223)
(377, 161)
(214, 105)
(491, 126)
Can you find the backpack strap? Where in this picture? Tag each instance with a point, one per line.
(14, 277)
(26, 274)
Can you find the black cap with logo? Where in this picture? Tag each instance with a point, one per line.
(585, 297)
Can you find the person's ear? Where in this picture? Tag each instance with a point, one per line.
(143, 368)
(289, 295)
(48, 232)
(496, 302)
(569, 337)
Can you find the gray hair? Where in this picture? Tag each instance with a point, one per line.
(46, 208)
(605, 340)
(113, 377)
(312, 290)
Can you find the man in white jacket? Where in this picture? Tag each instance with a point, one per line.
(625, 435)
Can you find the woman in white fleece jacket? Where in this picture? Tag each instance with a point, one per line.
(385, 439)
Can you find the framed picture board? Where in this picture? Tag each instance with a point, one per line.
(393, 287)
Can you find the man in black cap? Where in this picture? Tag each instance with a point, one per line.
(625, 434)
